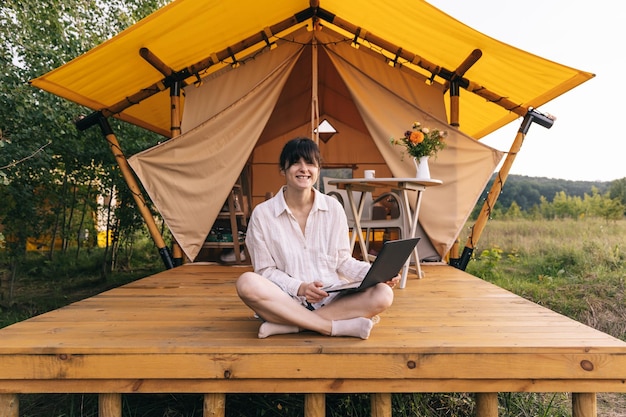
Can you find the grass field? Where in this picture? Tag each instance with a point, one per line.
(574, 267)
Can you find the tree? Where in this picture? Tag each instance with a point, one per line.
(617, 190)
(514, 211)
(49, 171)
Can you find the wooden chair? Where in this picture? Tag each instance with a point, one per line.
(384, 212)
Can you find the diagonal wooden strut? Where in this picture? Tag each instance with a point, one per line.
(531, 117)
(122, 162)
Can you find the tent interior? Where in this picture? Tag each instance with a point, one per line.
(255, 77)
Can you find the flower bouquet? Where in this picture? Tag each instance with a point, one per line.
(422, 143)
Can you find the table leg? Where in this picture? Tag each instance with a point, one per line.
(357, 212)
(411, 221)
(418, 202)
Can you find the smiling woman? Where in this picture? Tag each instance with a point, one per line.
(298, 244)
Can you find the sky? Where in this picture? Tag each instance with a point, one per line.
(586, 142)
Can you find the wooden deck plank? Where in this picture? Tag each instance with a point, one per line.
(185, 330)
(326, 365)
(341, 386)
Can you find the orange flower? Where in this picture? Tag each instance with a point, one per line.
(416, 137)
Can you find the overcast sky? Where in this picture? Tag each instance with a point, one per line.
(586, 141)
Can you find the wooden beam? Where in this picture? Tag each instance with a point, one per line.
(467, 63)
(429, 66)
(154, 60)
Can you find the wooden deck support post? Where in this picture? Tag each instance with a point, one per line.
(315, 405)
(9, 405)
(381, 404)
(110, 405)
(214, 405)
(584, 405)
(486, 404)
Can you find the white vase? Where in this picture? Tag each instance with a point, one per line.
(421, 168)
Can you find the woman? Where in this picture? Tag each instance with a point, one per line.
(298, 243)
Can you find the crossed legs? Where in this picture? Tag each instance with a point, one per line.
(347, 315)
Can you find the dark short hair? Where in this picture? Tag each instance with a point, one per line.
(298, 148)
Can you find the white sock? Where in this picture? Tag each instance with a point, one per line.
(357, 327)
(268, 329)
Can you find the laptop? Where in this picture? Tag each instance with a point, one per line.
(387, 264)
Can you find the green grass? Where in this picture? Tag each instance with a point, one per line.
(576, 268)
(42, 285)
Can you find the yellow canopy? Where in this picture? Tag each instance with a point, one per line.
(192, 37)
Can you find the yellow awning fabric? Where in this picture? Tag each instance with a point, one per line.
(185, 33)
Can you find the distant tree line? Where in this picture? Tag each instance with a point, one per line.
(537, 197)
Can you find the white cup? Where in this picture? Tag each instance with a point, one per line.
(370, 173)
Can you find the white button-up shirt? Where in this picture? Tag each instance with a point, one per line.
(280, 251)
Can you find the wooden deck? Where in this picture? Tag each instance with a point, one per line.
(185, 331)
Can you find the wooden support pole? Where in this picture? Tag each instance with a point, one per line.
(110, 405)
(454, 105)
(214, 405)
(315, 405)
(381, 404)
(453, 85)
(175, 110)
(584, 405)
(486, 404)
(177, 252)
(9, 405)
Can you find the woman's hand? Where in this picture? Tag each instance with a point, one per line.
(393, 281)
(312, 291)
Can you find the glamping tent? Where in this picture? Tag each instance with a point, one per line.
(249, 77)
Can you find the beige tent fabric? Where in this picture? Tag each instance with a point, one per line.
(388, 109)
(188, 178)
(219, 90)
